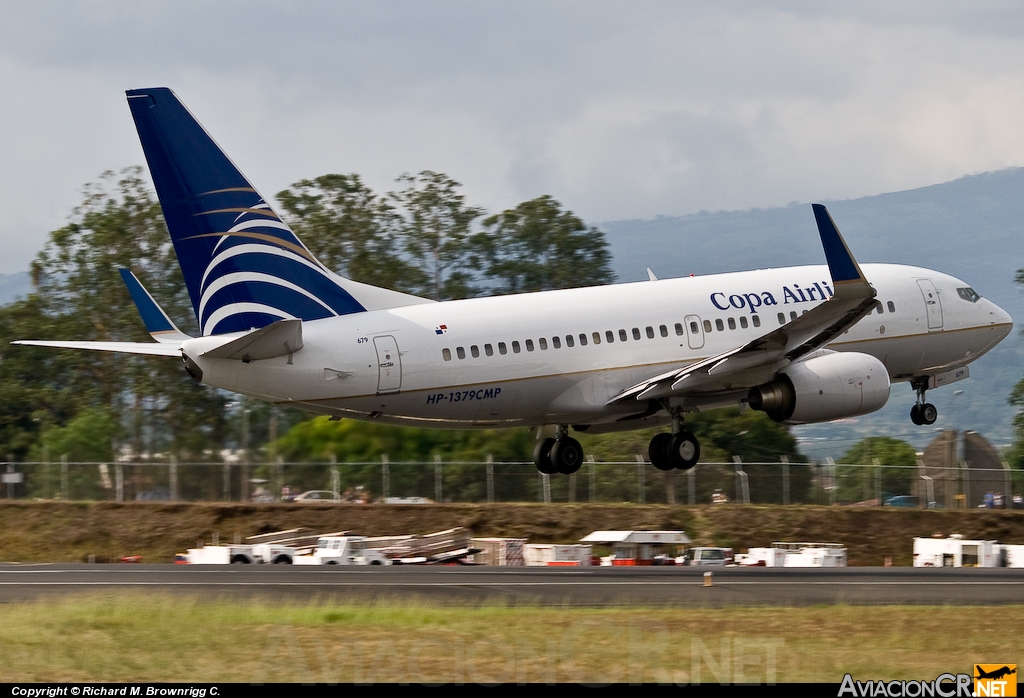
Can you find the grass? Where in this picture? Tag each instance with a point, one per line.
(170, 638)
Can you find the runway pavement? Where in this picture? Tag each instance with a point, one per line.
(594, 586)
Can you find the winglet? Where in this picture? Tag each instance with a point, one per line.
(841, 264)
(159, 325)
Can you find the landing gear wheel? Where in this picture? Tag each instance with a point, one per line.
(928, 413)
(542, 456)
(657, 451)
(566, 455)
(684, 450)
(915, 415)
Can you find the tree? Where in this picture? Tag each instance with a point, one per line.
(1016, 398)
(859, 483)
(78, 293)
(538, 246)
(436, 226)
(349, 228)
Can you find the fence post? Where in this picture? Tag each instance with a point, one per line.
(227, 481)
(490, 479)
(173, 473)
(785, 480)
(64, 478)
(742, 485)
(438, 494)
(966, 474)
(1008, 497)
(691, 485)
(831, 468)
(46, 469)
(335, 479)
(593, 479)
(280, 477)
(10, 484)
(545, 487)
(878, 480)
(670, 486)
(641, 483)
(118, 482)
(385, 474)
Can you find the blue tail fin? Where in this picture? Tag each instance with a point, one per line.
(243, 266)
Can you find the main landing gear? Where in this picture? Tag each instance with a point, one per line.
(923, 412)
(676, 451)
(562, 454)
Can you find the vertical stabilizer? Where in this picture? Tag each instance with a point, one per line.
(243, 265)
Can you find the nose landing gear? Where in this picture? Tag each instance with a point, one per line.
(922, 413)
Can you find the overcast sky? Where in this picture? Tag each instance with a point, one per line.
(617, 109)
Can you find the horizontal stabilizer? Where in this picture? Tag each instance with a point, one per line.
(158, 324)
(147, 348)
(276, 339)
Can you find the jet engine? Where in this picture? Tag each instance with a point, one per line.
(828, 386)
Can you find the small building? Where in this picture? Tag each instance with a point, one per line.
(502, 552)
(550, 555)
(783, 554)
(639, 547)
(956, 551)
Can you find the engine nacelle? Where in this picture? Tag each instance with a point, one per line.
(831, 386)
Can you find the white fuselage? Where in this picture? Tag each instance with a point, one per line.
(546, 358)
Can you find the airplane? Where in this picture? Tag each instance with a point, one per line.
(803, 344)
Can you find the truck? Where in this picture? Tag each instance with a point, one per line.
(342, 550)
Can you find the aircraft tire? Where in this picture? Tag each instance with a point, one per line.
(542, 457)
(928, 413)
(566, 455)
(684, 450)
(658, 453)
(915, 415)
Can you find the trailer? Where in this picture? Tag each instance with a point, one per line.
(804, 554)
(503, 552)
(956, 551)
(221, 555)
(550, 555)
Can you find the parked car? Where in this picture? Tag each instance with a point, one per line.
(315, 496)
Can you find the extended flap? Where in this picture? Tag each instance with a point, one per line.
(276, 339)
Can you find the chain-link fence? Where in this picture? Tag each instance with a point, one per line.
(637, 482)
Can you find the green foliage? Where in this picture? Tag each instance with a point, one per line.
(1015, 455)
(537, 246)
(436, 229)
(857, 484)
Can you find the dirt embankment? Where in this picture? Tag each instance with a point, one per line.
(63, 532)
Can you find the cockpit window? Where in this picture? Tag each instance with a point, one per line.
(968, 294)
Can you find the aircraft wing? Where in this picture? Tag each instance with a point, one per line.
(757, 361)
(149, 348)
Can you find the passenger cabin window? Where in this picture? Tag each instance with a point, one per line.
(446, 353)
(650, 332)
(743, 321)
(880, 308)
(732, 323)
(515, 347)
(529, 345)
(475, 351)
(757, 321)
(609, 336)
(460, 352)
(636, 333)
(489, 350)
(968, 294)
(597, 337)
(583, 339)
(718, 325)
(792, 314)
(622, 335)
(502, 349)
(707, 325)
(569, 341)
(891, 306)
(694, 327)
(679, 327)
(556, 343)
(782, 318)
(543, 344)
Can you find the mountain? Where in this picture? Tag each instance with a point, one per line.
(970, 228)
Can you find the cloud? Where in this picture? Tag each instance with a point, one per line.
(616, 109)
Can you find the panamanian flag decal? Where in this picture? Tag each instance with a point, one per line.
(441, 329)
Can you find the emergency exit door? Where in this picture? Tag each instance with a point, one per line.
(389, 364)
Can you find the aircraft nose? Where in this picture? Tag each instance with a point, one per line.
(999, 317)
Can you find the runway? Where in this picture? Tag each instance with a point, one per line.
(594, 586)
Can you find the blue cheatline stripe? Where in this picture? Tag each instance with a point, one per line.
(203, 195)
(840, 262)
(152, 316)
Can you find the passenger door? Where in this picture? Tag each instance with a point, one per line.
(389, 364)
